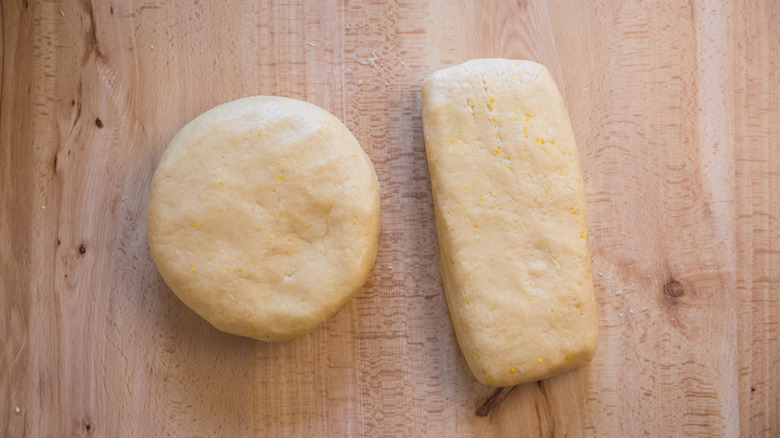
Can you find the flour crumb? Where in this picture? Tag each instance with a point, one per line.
(151, 46)
(62, 12)
(18, 410)
(311, 43)
(43, 207)
(620, 292)
(360, 82)
(371, 62)
(387, 83)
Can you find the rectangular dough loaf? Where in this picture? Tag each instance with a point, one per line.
(510, 216)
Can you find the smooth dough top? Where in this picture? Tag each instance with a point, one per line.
(264, 216)
(510, 214)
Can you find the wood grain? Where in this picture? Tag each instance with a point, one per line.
(675, 106)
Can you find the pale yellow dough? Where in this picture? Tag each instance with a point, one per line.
(264, 216)
(510, 215)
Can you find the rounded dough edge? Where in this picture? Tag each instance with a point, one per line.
(206, 288)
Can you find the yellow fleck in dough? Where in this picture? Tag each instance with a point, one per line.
(306, 242)
(521, 296)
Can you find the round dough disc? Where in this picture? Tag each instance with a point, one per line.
(264, 216)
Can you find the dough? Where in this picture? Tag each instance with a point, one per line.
(264, 216)
(510, 215)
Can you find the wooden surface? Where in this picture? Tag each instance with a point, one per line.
(675, 106)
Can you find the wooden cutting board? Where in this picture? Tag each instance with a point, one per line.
(675, 106)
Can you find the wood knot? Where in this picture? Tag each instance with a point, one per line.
(82, 249)
(99, 123)
(673, 288)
